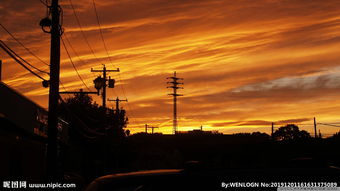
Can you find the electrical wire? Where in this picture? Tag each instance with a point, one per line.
(123, 90)
(62, 85)
(44, 3)
(328, 124)
(19, 62)
(76, 53)
(27, 49)
(12, 51)
(107, 52)
(100, 31)
(84, 36)
(74, 67)
(12, 54)
(102, 38)
(15, 54)
(82, 32)
(335, 123)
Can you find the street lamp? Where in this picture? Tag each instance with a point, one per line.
(99, 83)
(46, 23)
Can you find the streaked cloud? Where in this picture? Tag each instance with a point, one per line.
(245, 63)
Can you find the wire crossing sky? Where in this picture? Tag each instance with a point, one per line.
(246, 63)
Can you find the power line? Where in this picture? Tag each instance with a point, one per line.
(75, 52)
(28, 50)
(19, 62)
(123, 91)
(100, 31)
(9, 49)
(62, 85)
(74, 67)
(129, 114)
(12, 51)
(88, 44)
(82, 31)
(102, 38)
(107, 52)
(44, 3)
(329, 124)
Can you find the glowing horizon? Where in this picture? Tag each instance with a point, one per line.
(245, 64)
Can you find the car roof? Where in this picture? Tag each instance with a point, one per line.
(140, 173)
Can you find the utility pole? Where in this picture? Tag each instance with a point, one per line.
(52, 131)
(117, 100)
(152, 129)
(149, 127)
(315, 134)
(320, 135)
(104, 71)
(175, 83)
(272, 129)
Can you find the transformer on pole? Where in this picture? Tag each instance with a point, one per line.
(100, 82)
(174, 81)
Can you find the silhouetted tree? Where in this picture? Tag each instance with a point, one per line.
(262, 135)
(336, 136)
(290, 132)
(95, 136)
(81, 112)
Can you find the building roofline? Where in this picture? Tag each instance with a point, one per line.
(21, 95)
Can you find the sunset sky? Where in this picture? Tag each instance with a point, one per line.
(245, 63)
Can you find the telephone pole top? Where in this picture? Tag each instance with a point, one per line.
(175, 86)
(117, 100)
(152, 128)
(149, 127)
(102, 82)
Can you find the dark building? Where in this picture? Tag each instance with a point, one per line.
(22, 112)
(23, 133)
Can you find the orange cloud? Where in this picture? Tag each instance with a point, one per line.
(245, 63)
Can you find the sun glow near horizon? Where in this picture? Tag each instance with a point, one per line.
(243, 62)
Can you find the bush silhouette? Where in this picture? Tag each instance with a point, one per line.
(290, 132)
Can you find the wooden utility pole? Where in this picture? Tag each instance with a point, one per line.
(52, 131)
(149, 127)
(272, 129)
(117, 100)
(175, 83)
(104, 71)
(152, 128)
(315, 134)
(320, 135)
